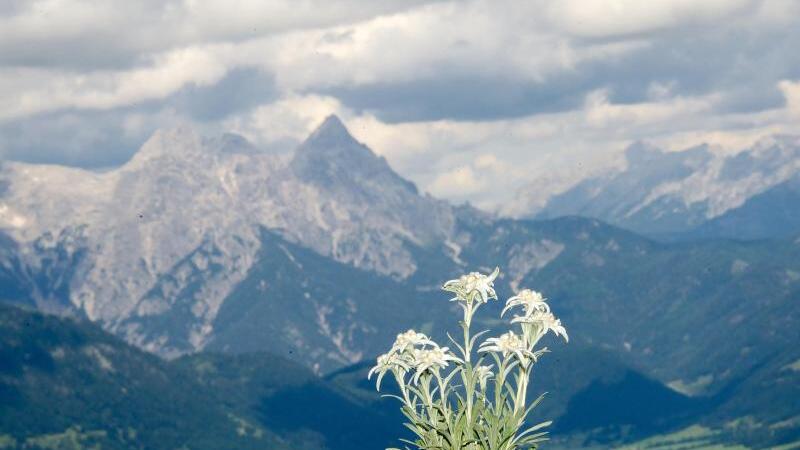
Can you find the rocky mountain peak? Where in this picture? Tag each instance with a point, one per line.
(332, 158)
(331, 129)
(331, 142)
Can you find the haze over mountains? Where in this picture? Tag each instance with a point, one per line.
(323, 255)
(749, 195)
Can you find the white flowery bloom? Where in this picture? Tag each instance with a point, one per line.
(436, 402)
(391, 361)
(508, 343)
(530, 301)
(432, 359)
(483, 373)
(411, 339)
(541, 322)
(467, 286)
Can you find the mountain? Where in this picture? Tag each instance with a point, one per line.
(323, 255)
(700, 190)
(68, 384)
(700, 317)
(169, 235)
(324, 313)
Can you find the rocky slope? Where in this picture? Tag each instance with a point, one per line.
(179, 226)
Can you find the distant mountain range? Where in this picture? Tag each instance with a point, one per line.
(320, 257)
(694, 193)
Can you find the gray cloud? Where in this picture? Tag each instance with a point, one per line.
(240, 90)
(460, 98)
(90, 139)
(10, 7)
(743, 65)
(96, 139)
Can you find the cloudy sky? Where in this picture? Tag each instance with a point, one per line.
(470, 99)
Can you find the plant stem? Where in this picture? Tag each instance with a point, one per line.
(442, 393)
(522, 388)
(466, 373)
(499, 385)
(467, 347)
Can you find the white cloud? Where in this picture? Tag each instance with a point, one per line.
(461, 182)
(479, 38)
(400, 143)
(71, 33)
(285, 122)
(791, 90)
(31, 91)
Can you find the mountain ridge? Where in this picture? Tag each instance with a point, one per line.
(661, 193)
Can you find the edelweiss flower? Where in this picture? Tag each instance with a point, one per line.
(542, 322)
(483, 373)
(409, 340)
(389, 362)
(508, 344)
(530, 301)
(432, 359)
(466, 286)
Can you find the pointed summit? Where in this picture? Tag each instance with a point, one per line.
(332, 158)
(332, 124)
(331, 143)
(330, 133)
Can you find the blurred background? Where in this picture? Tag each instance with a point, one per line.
(215, 215)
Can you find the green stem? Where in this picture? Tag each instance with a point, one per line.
(522, 388)
(499, 384)
(466, 373)
(467, 347)
(442, 392)
(428, 399)
(443, 395)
